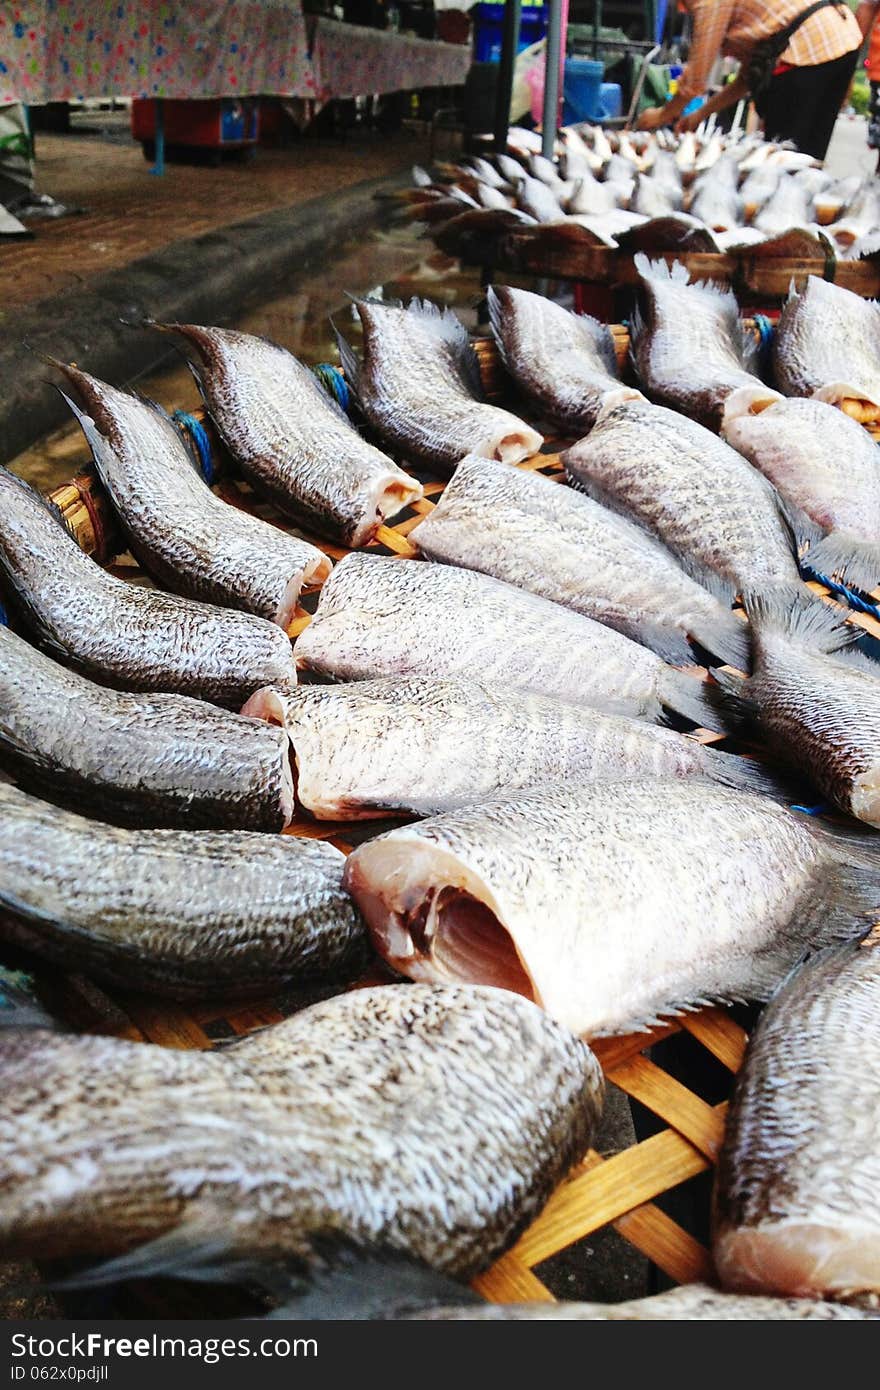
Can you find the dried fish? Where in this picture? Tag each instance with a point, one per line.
(827, 345)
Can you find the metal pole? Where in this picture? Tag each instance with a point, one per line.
(551, 80)
(597, 26)
(159, 165)
(509, 47)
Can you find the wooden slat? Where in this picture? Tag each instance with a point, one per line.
(511, 1281)
(670, 1247)
(646, 1082)
(717, 1031)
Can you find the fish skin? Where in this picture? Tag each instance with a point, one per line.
(189, 540)
(156, 760)
(815, 704)
(718, 206)
(826, 466)
(400, 618)
(534, 197)
(795, 1204)
(564, 363)
(788, 206)
(716, 513)
(591, 198)
(122, 635)
(181, 914)
(652, 198)
(558, 543)
(419, 387)
(463, 896)
(758, 187)
(426, 746)
(862, 215)
(291, 441)
(827, 345)
(436, 1120)
(690, 1302)
(706, 371)
(678, 231)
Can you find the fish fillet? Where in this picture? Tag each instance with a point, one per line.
(796, 1206)
(437, 1121)
(120, 634)
(400, 618)
(560, 544)
(419, 387)
(292, 442)
(593, 902)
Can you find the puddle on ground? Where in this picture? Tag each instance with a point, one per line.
(397, 262)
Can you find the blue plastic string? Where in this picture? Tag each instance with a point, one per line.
(854, 599)
(4, 618)
(813, 810)
(334, 383)
(199, 436)
(765, 339)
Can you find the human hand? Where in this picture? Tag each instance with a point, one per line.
(690, 122)
(652, 118)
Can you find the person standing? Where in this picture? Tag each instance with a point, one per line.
(798, 93)
(868, 20)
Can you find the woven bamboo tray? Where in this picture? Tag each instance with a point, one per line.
(625, 1190)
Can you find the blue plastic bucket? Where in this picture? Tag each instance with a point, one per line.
(582, 90)
(489, 26)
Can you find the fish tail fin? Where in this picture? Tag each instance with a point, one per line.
(743, 774)
(348, 357)
(730, 696)
(420, 177)
(20, 1007)
(845, 557)
(101, 448)
(726, 636)
(794, 612)
(495, 309)
(670, 271)
(688, 696)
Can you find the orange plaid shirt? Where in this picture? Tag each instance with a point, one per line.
(733, 27)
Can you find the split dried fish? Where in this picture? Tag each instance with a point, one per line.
(796, 1194)
(399, 618)
(419, 386)
(291, 441)
(464, 897)
(435, 1120)
(816, 704)
(187, 538)
(181, 914)
(122, 635)
(707, 371)
(157, 760)
(827, 345)
(702, 499)
(828, 468)
(560, 544)
(565, 364)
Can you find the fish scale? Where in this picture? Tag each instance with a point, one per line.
(122, 635)
(191, 541)
(292, 442)
(436, 1121)
(701, 498)
(796, 1207)
(827, 345)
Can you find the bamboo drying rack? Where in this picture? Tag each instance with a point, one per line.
(622, 1190)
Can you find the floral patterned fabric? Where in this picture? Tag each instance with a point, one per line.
(67, 50)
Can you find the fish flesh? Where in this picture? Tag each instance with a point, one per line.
(565, 364)
(438, 1121)
(706, 372)
(827, 467)
(419, 387)
(291, 440)
(157, 760)
(184, 914)
(833, 200)
(788, 206)
(813, 702)
(708, 505)
(827, 345)
(400, 618)
(423, 745)
(188, 539)
(796, 1207)
(560, 544)
(120, 634)
(592, 901)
